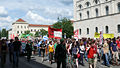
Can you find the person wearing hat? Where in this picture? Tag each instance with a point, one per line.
(60, 54)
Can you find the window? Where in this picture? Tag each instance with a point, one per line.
(119, 7)
(21, 26)
(25, 27)
(34, 29)
(87, 30)
(96, 10)
(21, 32)
(88, 14)
(107, 29)
(96, 29)
(80, 6)
(17, 26)
(17, 32)
(107, 10)
(118, 28)
(80, 16)
(96, 1)
(80, 31)
(88, 4)
(31, 30)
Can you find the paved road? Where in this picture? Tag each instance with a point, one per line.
(37, 63)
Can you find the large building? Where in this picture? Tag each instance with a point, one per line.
(20, 26)
(92, 16)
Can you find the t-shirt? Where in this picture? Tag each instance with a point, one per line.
(17, 45)
(91, 52)
(118, 43)
(3, 47)
(51, 48)
(114, 47)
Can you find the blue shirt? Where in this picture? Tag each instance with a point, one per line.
(114, 47)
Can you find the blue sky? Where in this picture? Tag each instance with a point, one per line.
(34, 11)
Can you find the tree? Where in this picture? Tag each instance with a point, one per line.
(4, 33)
(66, 26)
(37, 34)
(0, 34)
(43, 32)
(27, 32)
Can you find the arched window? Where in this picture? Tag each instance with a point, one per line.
(21, 32)
(17, 32)
(96, 29)
(107, 29)
(107, 10)
(118, 28)
(80, 31)
(80, 16)
(96, 1)
(80, 6)
(88, 4)
(119, 7)
(87, 30)
(17, 26)
(21, 26)
(96, 10)
(88, 15)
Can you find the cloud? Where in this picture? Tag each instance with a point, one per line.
(38, 19)
(3, 12)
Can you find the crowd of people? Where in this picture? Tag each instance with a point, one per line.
(68, 52)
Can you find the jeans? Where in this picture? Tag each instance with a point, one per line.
(39, 51)
(106, 61)
(63, 61)
(86, 58)
(15, 58)
(81, 58)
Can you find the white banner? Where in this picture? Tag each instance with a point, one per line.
(57, 34)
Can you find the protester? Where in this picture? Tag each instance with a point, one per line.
(3, 52)
(114, 49)
(60, 54)
(17, 48)
(28, 49)
(106, 56)
(42, 48)
(51, 51)
(10, 46)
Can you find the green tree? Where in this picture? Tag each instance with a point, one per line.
(37, 34)
(27, 32)
(4, 33)
(0, 34)
(43, 32)
(66, 25)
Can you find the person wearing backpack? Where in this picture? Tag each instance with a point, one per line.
(10, 47)
(60, 54)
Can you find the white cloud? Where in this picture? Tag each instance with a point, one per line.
(38, 19)
(3, 12)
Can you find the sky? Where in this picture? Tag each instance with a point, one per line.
(44, 12)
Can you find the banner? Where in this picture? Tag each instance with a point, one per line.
(57, 35)
(76, 33)
(98, 35)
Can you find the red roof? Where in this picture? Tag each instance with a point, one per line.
(20, 20)
(36, 25)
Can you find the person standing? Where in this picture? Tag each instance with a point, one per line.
(60, 54)
(16, 50)
(51, 51)
(10, 47)
(114, 49)
(42, 48)
(3, 52)
(91, 53)
(28, 48)
(105, 53)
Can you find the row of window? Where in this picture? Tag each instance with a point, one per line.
(34, 30)
(22, 27)
(96, 29)
(97, 13)
(88, 3)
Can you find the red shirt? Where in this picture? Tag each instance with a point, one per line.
(91, 52)
(118, 43)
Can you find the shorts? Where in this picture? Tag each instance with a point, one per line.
(91, 60)
(115, 55)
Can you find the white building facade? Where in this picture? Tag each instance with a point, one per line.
(20, 26)
(92, 16)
